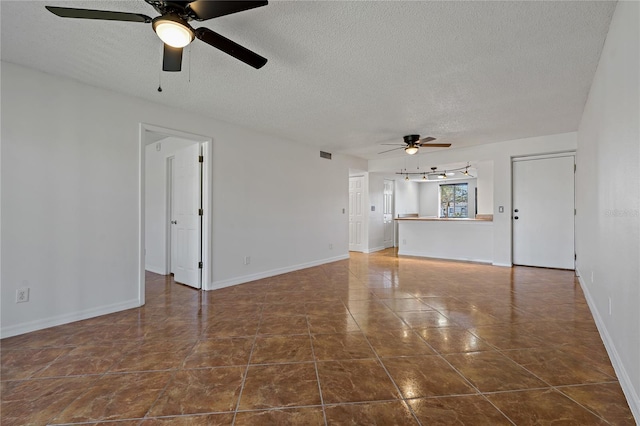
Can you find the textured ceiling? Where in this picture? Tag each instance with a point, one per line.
(344, 76)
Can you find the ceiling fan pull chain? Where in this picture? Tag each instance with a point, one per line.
(160, 74)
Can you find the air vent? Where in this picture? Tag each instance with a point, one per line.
(326, 155)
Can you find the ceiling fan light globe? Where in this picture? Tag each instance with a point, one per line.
(173, 32)
(411, 150)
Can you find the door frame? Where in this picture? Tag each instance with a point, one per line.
(169, 214)
(393, 211)
(514, 159)
(146, 137)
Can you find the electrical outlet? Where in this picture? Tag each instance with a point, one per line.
(330, 246)
(247, 260)
(22, 295)
(404, 242)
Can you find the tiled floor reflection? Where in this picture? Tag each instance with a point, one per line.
(375, 339)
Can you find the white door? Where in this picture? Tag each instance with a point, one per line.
(543, 212)
(173, 246)
(356, 213)
(387, 213)
(187, 219)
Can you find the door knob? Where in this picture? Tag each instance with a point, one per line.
(174, 222)
(516, 217)
(516, 210)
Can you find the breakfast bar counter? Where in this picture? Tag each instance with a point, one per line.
(446, 238)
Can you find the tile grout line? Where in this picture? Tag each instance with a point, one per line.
(315, 366)
(246, 371)
(502, 352)
(478, 392)
(589, 410)
(387, 371)
(98, 376)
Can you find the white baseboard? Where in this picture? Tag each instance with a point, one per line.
(27, 327)
(273, 272)
(506, 265)
(623, 377)
(372, 250)
(402, 252)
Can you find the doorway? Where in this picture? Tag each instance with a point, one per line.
(543, 213)
(179, 215)
(387, 213)
(356, 213)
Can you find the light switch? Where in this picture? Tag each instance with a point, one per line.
(373, 208)
(500, 209)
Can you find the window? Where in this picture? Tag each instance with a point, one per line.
(454, 200)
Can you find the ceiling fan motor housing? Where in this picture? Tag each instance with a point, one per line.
(411, 139)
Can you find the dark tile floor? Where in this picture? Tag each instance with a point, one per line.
(373, 340)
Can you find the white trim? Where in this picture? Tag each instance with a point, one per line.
(168, 265)
(623, 377)
(142, 128)
(570, 153)
(505, 265)
(207, 206)
(371, 250)
(273, 272)
(27, 327)
(559, 154)
(429, 255)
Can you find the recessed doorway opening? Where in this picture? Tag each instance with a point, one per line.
(175, 206)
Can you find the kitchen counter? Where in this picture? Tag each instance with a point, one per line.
(446, 238)
(478, 218)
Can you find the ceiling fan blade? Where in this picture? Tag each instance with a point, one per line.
(171, 58)
(106, 15)
(212, 9)
(389, 150)
(230, 47)
(435, 145)
(427, 139)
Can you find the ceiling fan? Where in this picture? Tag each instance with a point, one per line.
(172, 26)
(413, 142)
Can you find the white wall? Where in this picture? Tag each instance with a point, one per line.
(156, 201)
(484, 182)
(407, 197)
(428, 199)
(70, 199)
(608, 198)
(500, 153)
